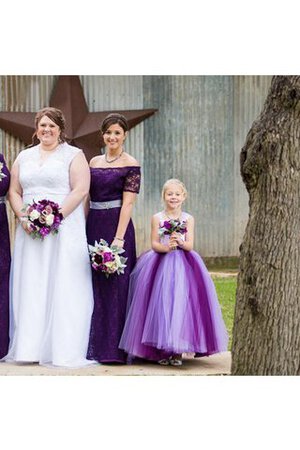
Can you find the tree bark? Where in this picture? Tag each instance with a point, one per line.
(266, 332)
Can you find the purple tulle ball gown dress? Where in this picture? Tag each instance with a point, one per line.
(4, 262)
(110, 294)
(172, 307)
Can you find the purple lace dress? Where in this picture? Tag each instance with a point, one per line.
(4, 263)
(110, 294)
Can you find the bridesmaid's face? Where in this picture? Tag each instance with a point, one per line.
(114, 137)
(47, 131)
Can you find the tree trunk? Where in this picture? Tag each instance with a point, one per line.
(266, 333)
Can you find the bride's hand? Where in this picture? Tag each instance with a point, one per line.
(24, 224)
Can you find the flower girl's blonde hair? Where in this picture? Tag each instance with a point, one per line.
(173, 181)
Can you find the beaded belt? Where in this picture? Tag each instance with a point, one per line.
(106, 205)
(2, 200)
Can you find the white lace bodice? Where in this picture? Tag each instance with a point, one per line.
(49, 178)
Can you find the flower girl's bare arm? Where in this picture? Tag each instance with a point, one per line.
(155, 243)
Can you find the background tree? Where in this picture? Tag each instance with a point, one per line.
(266, 333)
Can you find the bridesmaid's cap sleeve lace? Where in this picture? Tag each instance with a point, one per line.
(133, 180)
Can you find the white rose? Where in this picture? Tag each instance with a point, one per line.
(49, 219)
(34, 215)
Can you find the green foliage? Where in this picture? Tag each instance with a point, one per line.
(226, 291)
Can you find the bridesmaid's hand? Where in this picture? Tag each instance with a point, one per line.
(117, 243)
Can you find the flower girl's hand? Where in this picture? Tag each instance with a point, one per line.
(178, 238)
(173, 242)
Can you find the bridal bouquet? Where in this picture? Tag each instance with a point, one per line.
(2, 175)
(43, 218)
(107, 259)
(172, 226)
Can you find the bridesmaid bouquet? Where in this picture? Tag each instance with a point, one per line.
(107, 259)
(172, 226)
(43, 218)
(2, 175)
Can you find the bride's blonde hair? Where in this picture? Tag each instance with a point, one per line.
(173, 181)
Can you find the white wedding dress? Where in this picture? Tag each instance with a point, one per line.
(51, 287)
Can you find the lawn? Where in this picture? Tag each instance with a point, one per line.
(226, 289)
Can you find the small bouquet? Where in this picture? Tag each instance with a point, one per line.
(107, 259)
(2, 175)
(43, 218)
(172, 226)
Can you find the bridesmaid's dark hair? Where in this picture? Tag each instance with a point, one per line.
(112, 119)
(56, 116)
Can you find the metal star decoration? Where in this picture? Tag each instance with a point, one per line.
(82, 126)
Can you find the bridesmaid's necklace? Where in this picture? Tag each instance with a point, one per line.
(115, 159)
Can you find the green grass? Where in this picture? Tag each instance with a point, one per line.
(226, 290)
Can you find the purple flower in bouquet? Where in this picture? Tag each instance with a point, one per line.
(44, 231)
(167, 225)
(43, 218)
(107, 259)
(172, 226)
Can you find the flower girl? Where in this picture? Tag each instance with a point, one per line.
(172, 304)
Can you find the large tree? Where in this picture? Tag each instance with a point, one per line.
(266, 334)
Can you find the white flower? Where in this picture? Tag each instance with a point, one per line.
(117, 260)
(34, 215)
(49, 219)
(2, 175)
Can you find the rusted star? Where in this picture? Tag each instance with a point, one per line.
(82, 126)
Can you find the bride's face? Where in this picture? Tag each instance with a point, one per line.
(47, 131)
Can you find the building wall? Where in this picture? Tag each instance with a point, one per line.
(196, 135)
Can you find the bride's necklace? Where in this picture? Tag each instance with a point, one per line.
(114, 159)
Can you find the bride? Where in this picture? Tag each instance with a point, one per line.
(51, 288)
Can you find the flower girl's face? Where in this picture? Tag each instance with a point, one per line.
(174, 196)
(114, 137)
(47, 132)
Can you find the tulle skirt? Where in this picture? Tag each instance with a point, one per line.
(172, 308)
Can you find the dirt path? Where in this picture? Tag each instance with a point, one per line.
(223, 274)
(213, 365)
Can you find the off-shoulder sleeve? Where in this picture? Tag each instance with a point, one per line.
(133, 180)
(4, 181)
(4, 168)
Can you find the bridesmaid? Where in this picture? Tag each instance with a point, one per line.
(4, 259)
(115, 181)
